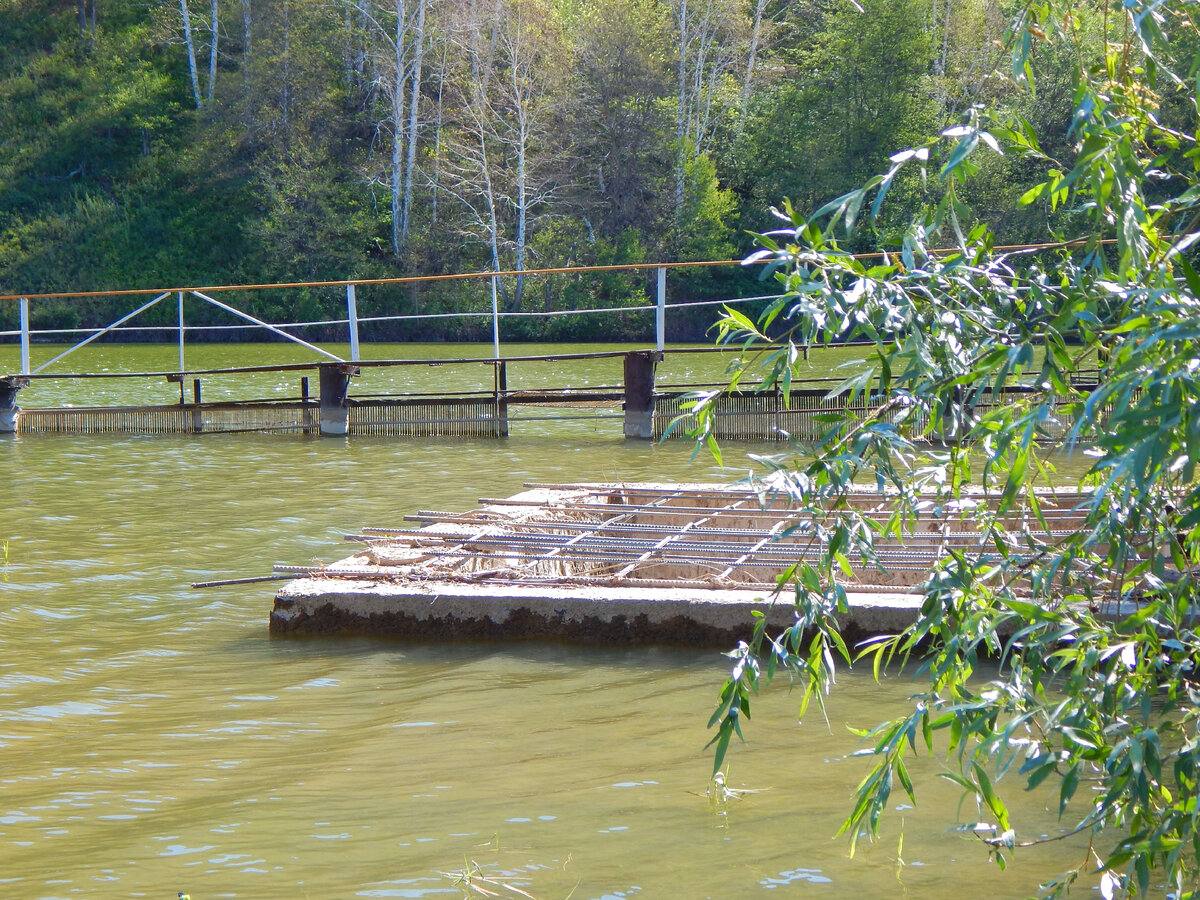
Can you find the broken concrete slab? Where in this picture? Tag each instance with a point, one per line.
(653, 563)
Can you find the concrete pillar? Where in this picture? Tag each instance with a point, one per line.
(639, 393)
(9, 385)
(500, 426)
(197, 410)
(306, 419)
(335, 384)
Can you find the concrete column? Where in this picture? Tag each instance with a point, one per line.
(500, 427)
(9, 385)
(335, 384)
(639, 393)
(306, 421)
(197, 410)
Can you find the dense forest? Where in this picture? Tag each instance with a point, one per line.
(148, 143)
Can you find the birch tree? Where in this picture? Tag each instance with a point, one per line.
(212, 52)
(438, 121)
(621, 124)
(469, 164)
(410, 163)
(400, 80)
(500, 164)
(757, 35)
(191, 51)
(399, 76)
(246, 32)
(711, 47)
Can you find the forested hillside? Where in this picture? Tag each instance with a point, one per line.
(149, 143)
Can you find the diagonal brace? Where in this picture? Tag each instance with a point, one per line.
(117, 324)
(266, 325)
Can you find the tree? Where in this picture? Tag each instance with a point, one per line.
(711, 44)
(1094, 700)
(501, 164)
(401, 71)
(191, 50)
(620, 126)
(859, 87)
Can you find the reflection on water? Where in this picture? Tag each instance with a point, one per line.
(156, 739)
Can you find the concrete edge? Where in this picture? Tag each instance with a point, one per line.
(445, 610)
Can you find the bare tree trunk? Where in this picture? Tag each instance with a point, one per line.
(490, 196)
(348, 42)
(81, 12)
(191, 51)
(287, 73)
(246, 30)
(681, 113)
(437, 136)
(398, 121)
(413, 110)
(711, 44)
(944, 58)
(522, 149)
(212, 54)
(364, 21)
(755, 36)
(497, 165)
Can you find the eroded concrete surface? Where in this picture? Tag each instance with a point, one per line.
(434, 610)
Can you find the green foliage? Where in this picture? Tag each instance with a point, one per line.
(110, 176)
(1093, 703)
(707, 211)
(862, 86)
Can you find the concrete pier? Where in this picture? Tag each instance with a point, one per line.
(639, 393)
(9, 386)
(335, 386)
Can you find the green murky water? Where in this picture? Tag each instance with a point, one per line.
(156, 739)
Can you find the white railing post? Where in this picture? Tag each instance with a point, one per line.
(660, 313)
(495, 320)
(24, 336)
(352, 315)
(181, 368)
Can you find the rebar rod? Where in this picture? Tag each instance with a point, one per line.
(636, 527)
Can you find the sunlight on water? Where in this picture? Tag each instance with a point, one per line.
(156, 739)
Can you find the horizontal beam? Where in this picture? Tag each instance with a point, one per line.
(465, 276)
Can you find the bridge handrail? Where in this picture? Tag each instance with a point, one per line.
(352, 319)
(410, 317)
(508, 273)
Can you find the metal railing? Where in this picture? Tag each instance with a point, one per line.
(352, 321)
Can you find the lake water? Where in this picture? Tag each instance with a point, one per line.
(156, 739)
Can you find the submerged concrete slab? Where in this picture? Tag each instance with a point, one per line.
(473, 575)
(631, 563)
